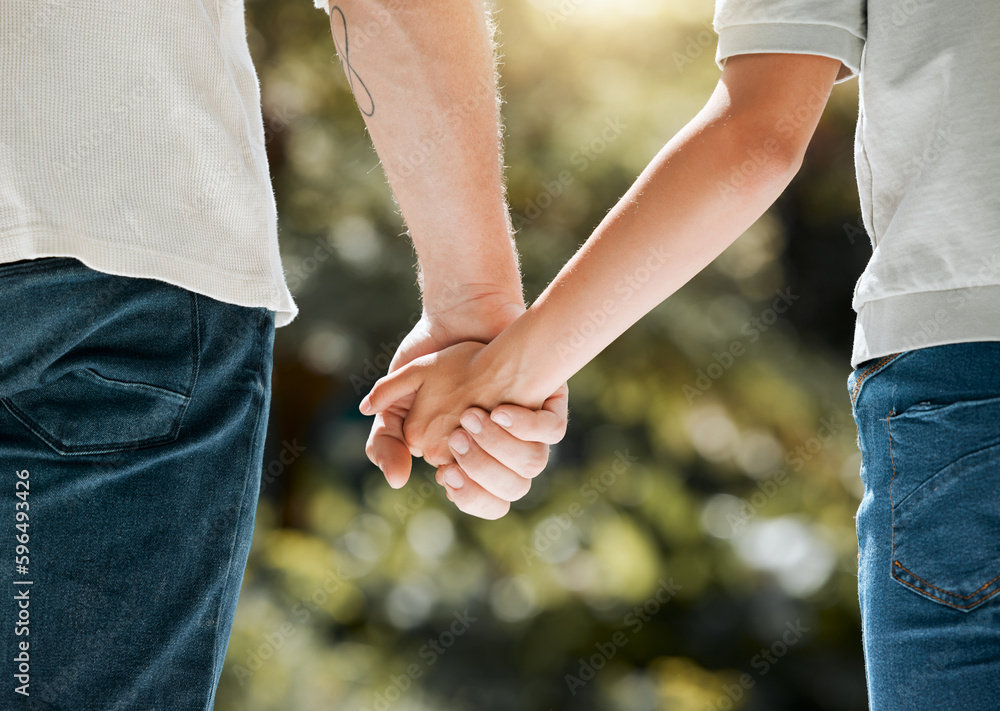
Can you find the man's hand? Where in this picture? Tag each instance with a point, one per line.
(497, 449)
(427, 88)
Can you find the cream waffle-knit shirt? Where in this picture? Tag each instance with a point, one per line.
(131, 138)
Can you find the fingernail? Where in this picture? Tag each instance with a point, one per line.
(453, 479)
(470, 421)
(366, 406)
(459, 442)
(502, 419)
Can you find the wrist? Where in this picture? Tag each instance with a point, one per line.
(475, 311)
(473, 276)
(514, 370)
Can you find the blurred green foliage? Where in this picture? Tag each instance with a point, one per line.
(691, 546)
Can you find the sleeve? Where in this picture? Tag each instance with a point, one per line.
(830, 28)
(323, 5)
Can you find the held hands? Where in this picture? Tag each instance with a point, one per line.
(503, 450)
(431, 393)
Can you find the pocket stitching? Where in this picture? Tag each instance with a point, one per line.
(104, 448)
(183, 401)
(946, 592)
(892, 506)
(925, 482)
(897, 564)
(94, 375)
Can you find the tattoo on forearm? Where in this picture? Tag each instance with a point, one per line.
(365, 102)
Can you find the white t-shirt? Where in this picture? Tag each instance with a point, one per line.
(131, 138)
(927, 153)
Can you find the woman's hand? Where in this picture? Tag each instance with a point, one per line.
(478, 315)
(432, 392)
(499, 466)
(444, 400)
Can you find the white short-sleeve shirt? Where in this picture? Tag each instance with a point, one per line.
(131, 138)
(927, 153)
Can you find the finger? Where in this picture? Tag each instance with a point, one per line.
(386, 449)
(486, 471)
(468, 496)
(525, 459)
(395, 386)
(547, 425)
(438, 454)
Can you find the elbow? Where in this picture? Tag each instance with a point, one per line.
(780, 152)
(755, 159)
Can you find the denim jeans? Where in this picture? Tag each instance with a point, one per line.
(132, 422)
(929, 526)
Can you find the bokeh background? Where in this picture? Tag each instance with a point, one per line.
(691, 546)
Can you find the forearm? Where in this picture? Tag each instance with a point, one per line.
(426, 85)
(681, 213)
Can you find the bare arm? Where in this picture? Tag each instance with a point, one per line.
(682, 212)
(424, 77)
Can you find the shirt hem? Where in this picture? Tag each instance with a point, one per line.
(920, 320)
(122, 260)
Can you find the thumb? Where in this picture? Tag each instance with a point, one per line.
(395, 386)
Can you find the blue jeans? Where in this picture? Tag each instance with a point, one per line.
(132, 422)
(929, 526)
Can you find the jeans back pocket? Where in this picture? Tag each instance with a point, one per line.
(945, 495)
(122, 371)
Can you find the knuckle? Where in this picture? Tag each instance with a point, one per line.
(437, 456)
(411, 434)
